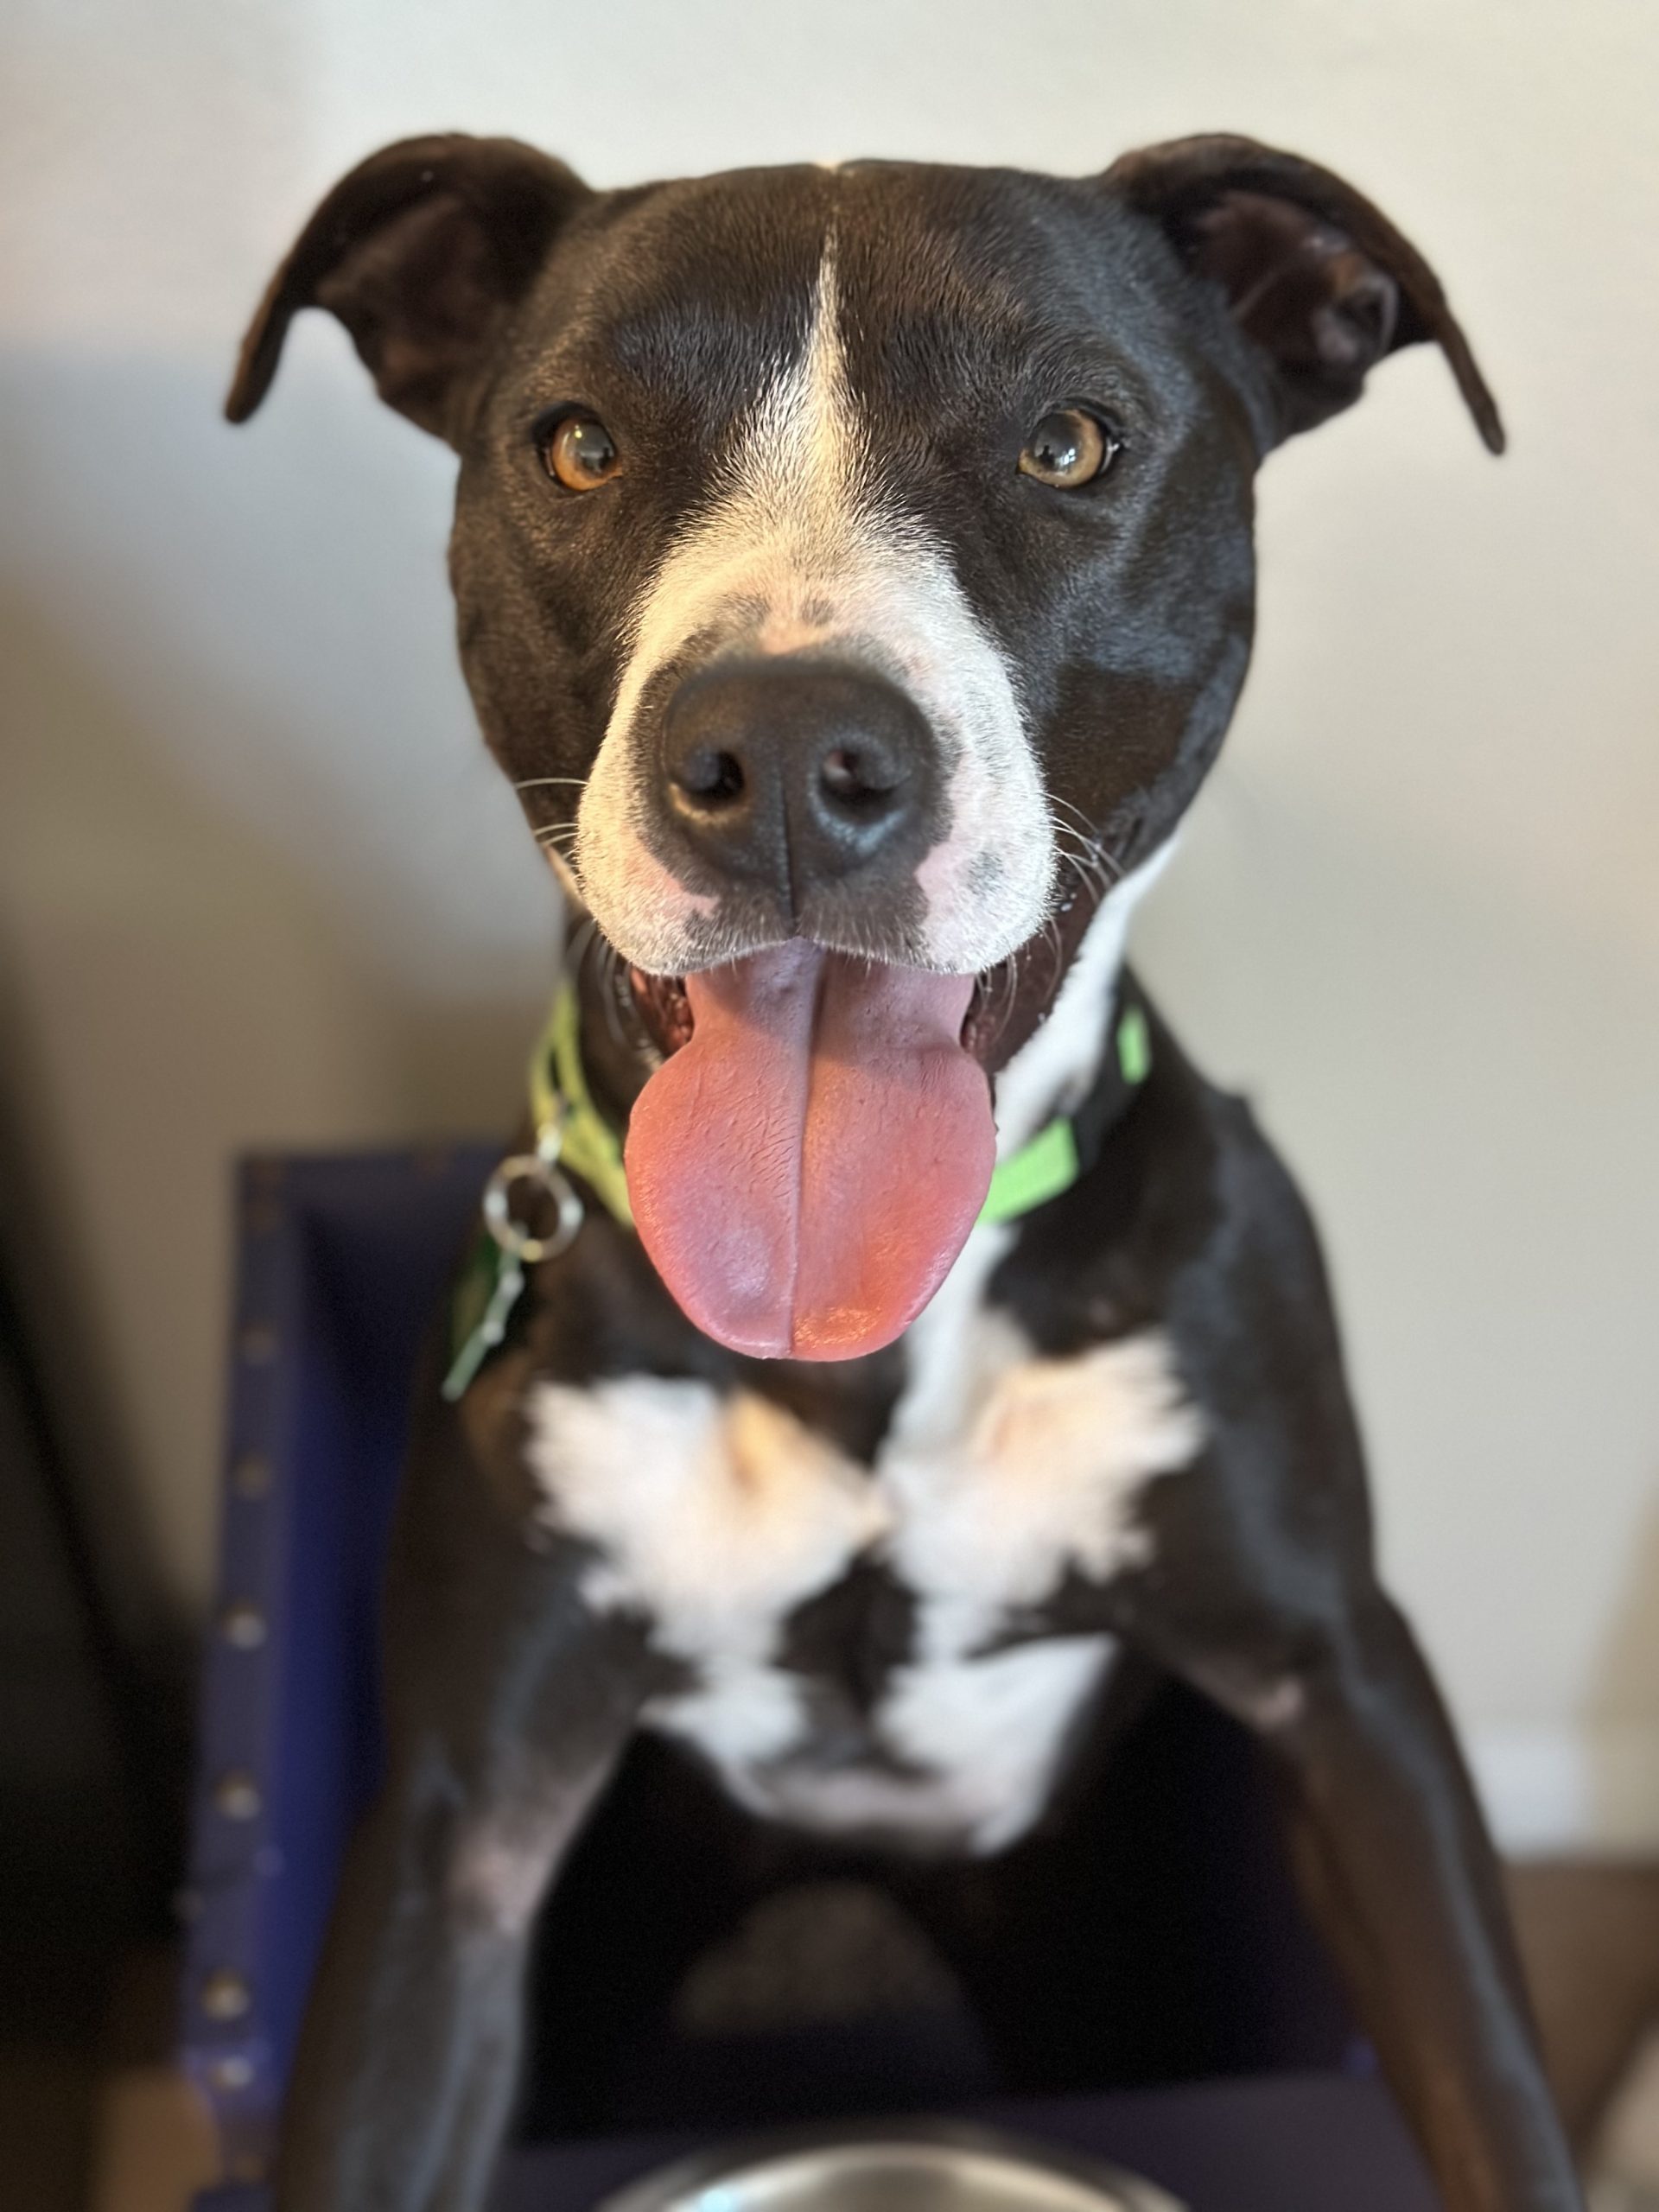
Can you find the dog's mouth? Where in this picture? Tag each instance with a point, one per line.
(807, 1162)
(665, 1008)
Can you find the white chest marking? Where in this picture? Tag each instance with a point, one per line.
(717, 1517)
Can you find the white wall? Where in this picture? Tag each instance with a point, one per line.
(257, 885)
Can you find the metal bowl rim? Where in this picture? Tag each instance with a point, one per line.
(670, 2187)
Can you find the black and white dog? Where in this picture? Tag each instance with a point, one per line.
(855, 579)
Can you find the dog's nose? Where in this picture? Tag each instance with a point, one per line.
(791, 772)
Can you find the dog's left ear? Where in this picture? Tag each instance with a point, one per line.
(1317, 278)
(422, 251)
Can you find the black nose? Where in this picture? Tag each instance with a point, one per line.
(792, 773)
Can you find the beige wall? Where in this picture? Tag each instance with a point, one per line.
(257, 885)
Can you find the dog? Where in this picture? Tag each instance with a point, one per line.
(854, 577)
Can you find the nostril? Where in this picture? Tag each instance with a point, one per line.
(792, 772)
(852, 776)
(710, 777)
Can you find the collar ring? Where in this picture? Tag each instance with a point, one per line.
(512, 1235)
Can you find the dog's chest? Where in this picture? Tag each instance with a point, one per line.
(733, 1528)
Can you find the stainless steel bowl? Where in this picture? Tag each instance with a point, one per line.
(936, 2168)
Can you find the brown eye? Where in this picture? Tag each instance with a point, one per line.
(581, 452)
(1068, 448)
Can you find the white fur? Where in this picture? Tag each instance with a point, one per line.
(986, 1737)
(796, 555)
(1043, 1479)
(500, 1875)
(506, 1851)
(1042, 1476)
(997, 1727)
(716, 1518)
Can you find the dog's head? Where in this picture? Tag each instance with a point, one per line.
(854, 579)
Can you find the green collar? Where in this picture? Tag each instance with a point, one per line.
(570, 1133)
(1042, 1169)
(560, 1099)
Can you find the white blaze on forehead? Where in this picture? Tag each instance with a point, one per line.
(796, 555)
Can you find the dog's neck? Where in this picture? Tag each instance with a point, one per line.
(1051, 1072)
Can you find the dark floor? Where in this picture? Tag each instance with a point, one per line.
(48, 2107)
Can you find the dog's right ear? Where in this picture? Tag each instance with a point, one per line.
(422, 251)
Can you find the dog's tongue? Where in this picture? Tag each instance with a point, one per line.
(806, 1167)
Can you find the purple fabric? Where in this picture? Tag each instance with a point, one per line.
(342, 1268)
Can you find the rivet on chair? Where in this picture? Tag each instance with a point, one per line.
(243, 1626)
(251, 1476)
(258, 1344)
(237, 1795)
(232, 2072)
(225, 1996)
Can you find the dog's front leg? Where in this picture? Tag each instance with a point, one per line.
(409, 2056)
(509, 1701)
(1393, 1861)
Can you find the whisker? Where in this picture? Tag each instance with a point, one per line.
(1086, 835)
(1086, 832)
(1090, 839)
(619, 1000)
(576, 947)
(1071, 847)
(1052, 938)
(1087, 866)
(1018, 961)
(536, 783)
(1056, 798)
(593, 946)
(1094, 864)
(998, 992)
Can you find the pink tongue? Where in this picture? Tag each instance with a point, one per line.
(804, 1170)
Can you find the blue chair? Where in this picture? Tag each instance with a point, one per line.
(1252, 2092)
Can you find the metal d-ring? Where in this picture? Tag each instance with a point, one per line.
(512, 1235)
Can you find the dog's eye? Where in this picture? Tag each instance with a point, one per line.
(580, 453)
(1068, 448)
